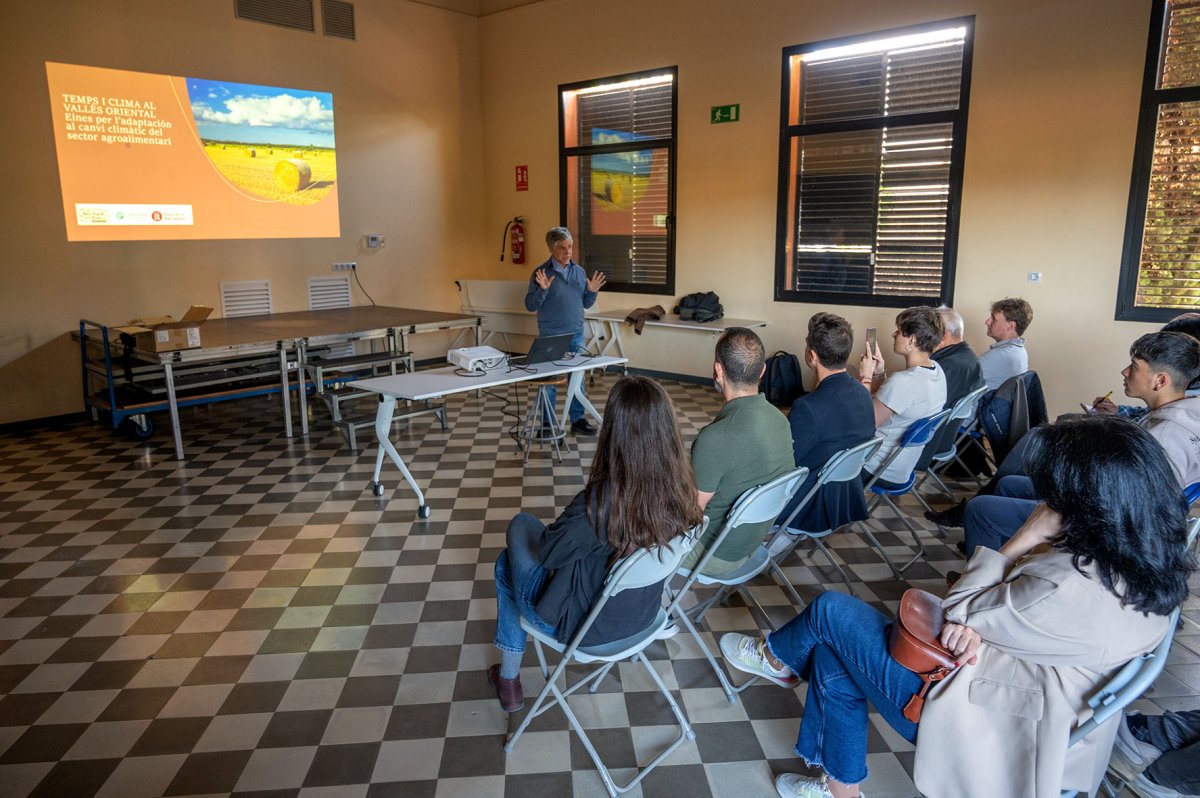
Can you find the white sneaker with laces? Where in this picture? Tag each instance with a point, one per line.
(746, 654)
(793, 785)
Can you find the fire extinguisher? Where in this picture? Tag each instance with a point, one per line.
(514, 238)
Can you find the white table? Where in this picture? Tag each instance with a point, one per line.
(424, 385)
(612, 321)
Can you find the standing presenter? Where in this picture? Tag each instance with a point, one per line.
(559, 292)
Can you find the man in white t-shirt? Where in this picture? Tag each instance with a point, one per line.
(907, 396)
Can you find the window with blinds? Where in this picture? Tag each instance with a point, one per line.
(871, 151)
(1160, 267)
(617, 178)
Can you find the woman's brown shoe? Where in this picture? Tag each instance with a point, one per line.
(512, 697)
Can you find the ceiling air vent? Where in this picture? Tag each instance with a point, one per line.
(296, 14)
(337, 18)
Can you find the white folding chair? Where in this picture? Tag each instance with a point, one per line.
(918, 434)
(1120, 691)
(842, 466)
(961, 413)
(756, 505)
(640, 569)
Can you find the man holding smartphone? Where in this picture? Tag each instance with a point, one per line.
(559, 292)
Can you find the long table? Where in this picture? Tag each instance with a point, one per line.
(436, 383)
(288, 335)
(611, 321)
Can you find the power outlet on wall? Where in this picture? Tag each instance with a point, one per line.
(345, 267)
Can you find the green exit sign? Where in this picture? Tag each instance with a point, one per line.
(726, 113)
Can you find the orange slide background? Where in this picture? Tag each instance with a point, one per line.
(177, 174)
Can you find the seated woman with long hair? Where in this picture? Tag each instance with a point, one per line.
(916, 392)
(640, 494)
(1086, 585)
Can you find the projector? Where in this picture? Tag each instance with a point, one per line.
(475, 358)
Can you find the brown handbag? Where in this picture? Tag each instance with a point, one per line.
(913, 642)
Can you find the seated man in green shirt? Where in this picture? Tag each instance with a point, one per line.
(748, 444)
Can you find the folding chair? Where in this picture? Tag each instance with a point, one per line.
(1119, 692)
(961, 413)
(640, 569)
(756, 505)
(842, 466)
(919, 433)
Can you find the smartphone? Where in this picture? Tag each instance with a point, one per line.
(872, 340)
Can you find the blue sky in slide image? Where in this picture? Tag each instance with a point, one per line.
(261, 114)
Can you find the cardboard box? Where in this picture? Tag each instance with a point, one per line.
(164, 333)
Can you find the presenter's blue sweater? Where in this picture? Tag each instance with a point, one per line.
(560, 307)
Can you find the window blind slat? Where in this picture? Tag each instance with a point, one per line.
(1169, 273)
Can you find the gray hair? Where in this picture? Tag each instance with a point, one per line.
(556, 234)
(953, 321)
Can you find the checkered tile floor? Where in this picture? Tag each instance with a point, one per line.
(255, 622)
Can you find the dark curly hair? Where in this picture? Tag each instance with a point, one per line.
(1121, 505)
(923, 323)
(1186, 323)
(1016, 310)
(831, 338)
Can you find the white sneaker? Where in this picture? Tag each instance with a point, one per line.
(1130, 755)
(792, 785)
(668, 631)
(746, 654)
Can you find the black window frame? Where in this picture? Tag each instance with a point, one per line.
(1139, 183)
(957, 118)
(565, 153)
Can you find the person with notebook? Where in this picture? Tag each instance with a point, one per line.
(559, 292)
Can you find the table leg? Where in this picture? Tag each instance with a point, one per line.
(287, 400)
(575, 391)
(596, 328)
(383, 426)
(614, 339)
(302, 394)
(173, 405)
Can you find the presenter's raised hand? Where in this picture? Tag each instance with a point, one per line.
(543, 279)
(596, 282)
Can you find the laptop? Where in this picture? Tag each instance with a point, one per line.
(543, 350)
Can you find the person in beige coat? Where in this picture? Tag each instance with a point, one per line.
(1086, 585)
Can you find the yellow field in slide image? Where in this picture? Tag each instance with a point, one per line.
(285, 174)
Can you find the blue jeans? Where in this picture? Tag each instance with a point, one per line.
(990, 521)
(576, 411)
(839, 645)
(519, 583)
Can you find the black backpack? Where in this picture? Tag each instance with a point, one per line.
(782, 382)
(701, 306)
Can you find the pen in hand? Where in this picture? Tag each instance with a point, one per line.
(1095, 408)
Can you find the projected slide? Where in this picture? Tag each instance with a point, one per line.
(153, 157)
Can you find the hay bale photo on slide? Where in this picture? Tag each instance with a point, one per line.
(292, 174)
(267, 143)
